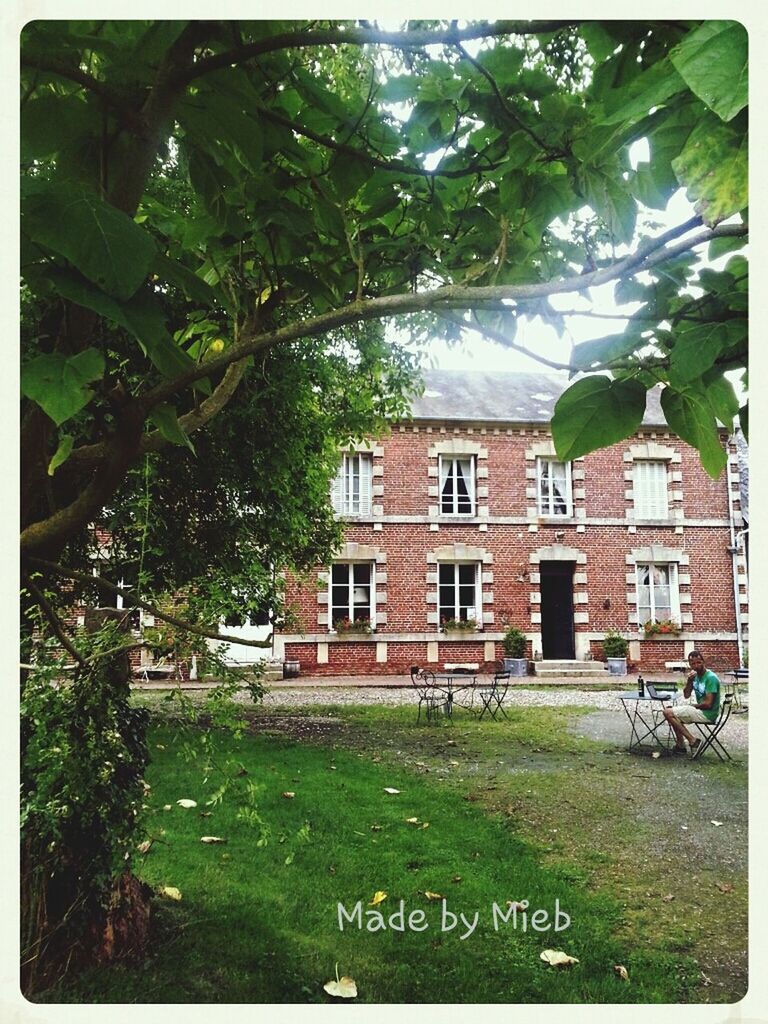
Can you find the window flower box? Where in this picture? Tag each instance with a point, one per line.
(355, 627)
(663, 628)
(458, 626)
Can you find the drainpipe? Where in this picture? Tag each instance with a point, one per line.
(734, 550)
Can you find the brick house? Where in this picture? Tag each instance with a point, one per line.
(465, 513)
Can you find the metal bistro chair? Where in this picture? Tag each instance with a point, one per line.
(493, 697)
(429, 694)
(709, 731)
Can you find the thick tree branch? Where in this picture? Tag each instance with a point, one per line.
(648, 255)
(128, 594)
(47, 609)
(131, 118)
(361, 37)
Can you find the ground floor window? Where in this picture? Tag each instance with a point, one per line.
(657, 593)
(459, 596)
(352, 588)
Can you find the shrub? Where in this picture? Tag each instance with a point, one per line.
(514, 643)
(615, 645)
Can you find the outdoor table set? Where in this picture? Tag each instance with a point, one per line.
(645, 710)
(440, 692)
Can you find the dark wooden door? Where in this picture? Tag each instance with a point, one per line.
(557, 637)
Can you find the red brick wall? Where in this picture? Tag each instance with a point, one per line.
(406, 493)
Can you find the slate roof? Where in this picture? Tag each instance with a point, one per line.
(480, 397)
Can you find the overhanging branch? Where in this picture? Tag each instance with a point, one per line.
(135, 600)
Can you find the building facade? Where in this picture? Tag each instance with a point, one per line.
(463, 521)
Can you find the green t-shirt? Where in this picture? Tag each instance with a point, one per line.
(708, 683)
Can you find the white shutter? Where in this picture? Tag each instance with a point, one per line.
(337, 489)
(366, 478)
(650, 485)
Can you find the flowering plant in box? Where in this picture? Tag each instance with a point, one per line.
(663, 627)
(449, 625)
(348, 625)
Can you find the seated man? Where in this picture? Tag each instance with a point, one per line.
(707, 688)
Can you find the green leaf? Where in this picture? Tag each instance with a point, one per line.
(721, 246)
(697, 348)
(689, 414)
(348, 175)
(51, 121)
(604, 350)
(61, 454)
(595, 412)
(744, 421)
(167, 422)
(193, 286)
(143, 317)
(649, 89)
(713, 169)
(723, 400)
(58, 384)
(713, 61)
(103, 243)
(610, 200)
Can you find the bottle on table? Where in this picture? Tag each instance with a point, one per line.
(640, 686)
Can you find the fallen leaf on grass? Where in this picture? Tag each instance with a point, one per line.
(167, 807)
(205, 814)
(412, 821)
(212, 839)
(378, 897)
(187, 803)
(341, 988)
(622, 972)
(146, 846)
(389, 789)
(170, 892)
(655, 755)
(513, 905)
(668, 898)
(456, 879)
(724, 886)
(557, 958)
(376, 828)
(716, 823)
(424, 824)
(288, 795)
(433, 895)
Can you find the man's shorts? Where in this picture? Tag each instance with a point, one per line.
(688, 713)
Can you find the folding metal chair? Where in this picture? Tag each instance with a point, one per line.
(494, 696)
(428, 692)
(709, 731)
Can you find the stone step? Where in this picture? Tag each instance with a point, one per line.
(578, 669)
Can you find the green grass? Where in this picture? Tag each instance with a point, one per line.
(258, 923)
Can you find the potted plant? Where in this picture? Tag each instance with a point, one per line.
(615, 648)
(514, 644)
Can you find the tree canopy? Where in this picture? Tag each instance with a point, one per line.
(219, 218)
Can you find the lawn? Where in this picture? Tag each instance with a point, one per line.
(518, 810)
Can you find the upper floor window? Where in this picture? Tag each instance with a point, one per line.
(351, 489)
(459, 591)
(457, 485)
(553, 487)
(657, 592)
(352, 592)
(650, 490)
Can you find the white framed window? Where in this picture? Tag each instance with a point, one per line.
(352, 486)
(352, 596)
(457, 485)
(650, 489)
(657, 592)
(459, 591)
(553, 487)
